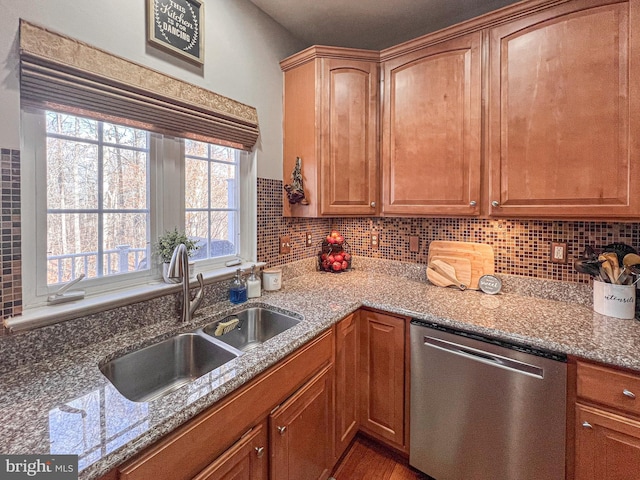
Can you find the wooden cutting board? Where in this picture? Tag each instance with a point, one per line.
(479, 255)
(462, 267)
(442, 274)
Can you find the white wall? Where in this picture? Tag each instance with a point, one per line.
(242, 49)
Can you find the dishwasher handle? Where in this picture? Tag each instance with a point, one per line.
(484, 357)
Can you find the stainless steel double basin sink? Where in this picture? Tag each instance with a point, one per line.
(154, 371)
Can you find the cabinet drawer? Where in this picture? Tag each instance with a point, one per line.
(609, 387)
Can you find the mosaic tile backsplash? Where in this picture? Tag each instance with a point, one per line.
(522, 247)
(10, 261)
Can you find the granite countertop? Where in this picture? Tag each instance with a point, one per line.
(65, 405)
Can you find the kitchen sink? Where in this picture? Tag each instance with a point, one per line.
(153, 371)
(256, 325)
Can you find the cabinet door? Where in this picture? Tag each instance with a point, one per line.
(431, 149)
(349, 164)
(562, 124)
(246, 460)
(346, 391)
(301, 433)
(382, 357)
(299, 136)
(607, 446)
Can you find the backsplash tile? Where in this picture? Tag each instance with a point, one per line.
(271, 225)
(522, 247)
(10, 235)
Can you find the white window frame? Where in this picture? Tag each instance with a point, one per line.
(167, 205)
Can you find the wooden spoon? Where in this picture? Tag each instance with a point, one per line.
(606, 272)
(612, 258)
(631, 259)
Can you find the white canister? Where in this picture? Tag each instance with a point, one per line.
(272, 279)
(613, 300)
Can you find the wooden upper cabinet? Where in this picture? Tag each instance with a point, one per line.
(564, 112)
(330, 122)
(431, 148)
(349, 157)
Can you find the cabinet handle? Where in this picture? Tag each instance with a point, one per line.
(282, 430)
(373, 204)
(472, 203)
(259, 452)
(586, 424)
(628, 393)
(495, 203)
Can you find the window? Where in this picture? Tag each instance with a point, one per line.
(211, 198)
(102, 193)
(97, 198)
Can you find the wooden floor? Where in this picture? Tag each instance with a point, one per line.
(367, 460)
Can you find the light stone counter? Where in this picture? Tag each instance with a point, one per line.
(63, 404)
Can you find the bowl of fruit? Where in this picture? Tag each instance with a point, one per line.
(334, 255)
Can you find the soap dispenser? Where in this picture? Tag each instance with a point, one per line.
(254, 284)
(238, 289)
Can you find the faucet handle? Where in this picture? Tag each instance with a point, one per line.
(197, 300)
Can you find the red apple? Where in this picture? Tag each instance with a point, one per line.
(338, 257)
(339, 239)
(331, 259)
(347, 256)
(323, 256)
(345, 265)
(326, 265)
(335, 233)
(330, 239)
(337, 266)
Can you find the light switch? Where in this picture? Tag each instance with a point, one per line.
(285, 245)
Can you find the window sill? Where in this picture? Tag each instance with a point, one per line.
(51, 314)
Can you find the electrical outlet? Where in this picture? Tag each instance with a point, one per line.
(414, 243)
(375, 240)
(285, 245)
(558, 252)
(308, 239)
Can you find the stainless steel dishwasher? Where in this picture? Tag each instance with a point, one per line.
(482, 409)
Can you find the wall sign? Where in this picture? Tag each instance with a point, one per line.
(176, 25)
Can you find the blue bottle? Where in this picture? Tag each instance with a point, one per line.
(238, 289)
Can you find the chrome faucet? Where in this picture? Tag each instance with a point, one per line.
(179, 268)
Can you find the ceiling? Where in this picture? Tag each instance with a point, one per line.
(370, 24)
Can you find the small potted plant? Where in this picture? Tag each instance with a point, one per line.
(167, 243)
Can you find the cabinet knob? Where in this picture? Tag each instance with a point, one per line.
(472, 203)
(628, 393)
(282, 430)
(373, 204)
(495, 203)
(259, 452)
(586, 424)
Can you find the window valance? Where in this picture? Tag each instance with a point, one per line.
(60, 73)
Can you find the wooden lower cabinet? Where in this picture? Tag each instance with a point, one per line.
(350, 378)
(607, 423)
(382, 377)
(607, 445)
(301, 432)
(191, 448)
(248, 459)
(346, 392)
